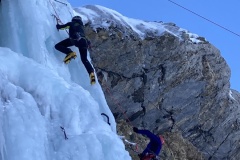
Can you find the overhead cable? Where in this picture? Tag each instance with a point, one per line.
(205, 18)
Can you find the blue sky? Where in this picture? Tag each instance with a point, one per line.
(224, 13)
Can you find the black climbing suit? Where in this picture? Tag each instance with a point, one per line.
(76, 38)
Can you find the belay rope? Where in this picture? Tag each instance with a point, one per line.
(130, 144)
(118, 105)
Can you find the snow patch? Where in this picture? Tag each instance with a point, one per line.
(102, 17)
(231, 95)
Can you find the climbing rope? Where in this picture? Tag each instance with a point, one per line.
(130, 144)
(56, 16)
(118, 105)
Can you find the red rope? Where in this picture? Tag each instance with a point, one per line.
(122, 110)
(56, 15)
(119, 106)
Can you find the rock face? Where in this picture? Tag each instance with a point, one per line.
(169, 84)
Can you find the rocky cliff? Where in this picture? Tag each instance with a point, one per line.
(171, 82)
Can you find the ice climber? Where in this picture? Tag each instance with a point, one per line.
(154, 146)
(76, 38)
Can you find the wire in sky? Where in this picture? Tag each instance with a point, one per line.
(205, 19)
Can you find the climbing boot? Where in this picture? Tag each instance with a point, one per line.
(70, 56)
(92, 78)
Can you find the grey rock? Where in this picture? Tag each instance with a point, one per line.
(169, 83)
